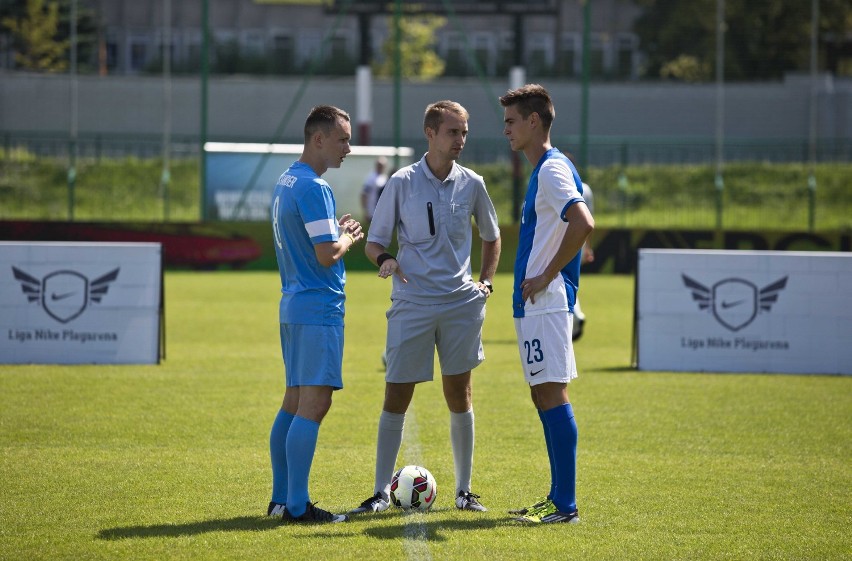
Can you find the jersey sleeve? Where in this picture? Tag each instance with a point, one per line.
(485, 214)
(557, 186)
(386, 214)
(317, 209)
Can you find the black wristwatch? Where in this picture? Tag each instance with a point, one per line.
(488, 285)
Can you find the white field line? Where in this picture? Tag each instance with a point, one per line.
(415, 539)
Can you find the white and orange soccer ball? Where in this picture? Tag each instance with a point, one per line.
(413, 488)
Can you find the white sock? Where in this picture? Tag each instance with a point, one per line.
(461, 436)
(578, 311)
(387, 449)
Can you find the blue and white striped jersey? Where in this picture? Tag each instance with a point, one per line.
(554, 186)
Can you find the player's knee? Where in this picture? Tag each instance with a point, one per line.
(459, 399)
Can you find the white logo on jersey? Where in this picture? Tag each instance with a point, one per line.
(287, 180)
(275, 223)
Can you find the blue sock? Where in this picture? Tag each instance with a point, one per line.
(563, 437)
(549, 455)
(278, 455)
(301, 444)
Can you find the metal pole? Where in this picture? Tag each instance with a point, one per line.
(584, 95)
(517, 78)
(205, 16)
(812, 147)
(165, 178)
(720, 109)
(623, 184)
(364, 82)
(397, 80)
(72, 149)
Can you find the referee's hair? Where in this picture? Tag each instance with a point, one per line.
(324, 118)
(434, 115)
(529, 99)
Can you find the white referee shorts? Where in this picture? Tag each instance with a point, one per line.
(544, 344)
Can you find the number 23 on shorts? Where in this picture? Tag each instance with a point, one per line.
(534, 352)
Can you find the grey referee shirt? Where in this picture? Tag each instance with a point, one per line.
(432, 222)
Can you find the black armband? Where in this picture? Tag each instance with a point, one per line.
(384, 257)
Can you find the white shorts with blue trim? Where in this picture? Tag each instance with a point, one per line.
(544, 344)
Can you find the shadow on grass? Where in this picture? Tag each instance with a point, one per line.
(625, 368)
(433, 530)
(239, 524)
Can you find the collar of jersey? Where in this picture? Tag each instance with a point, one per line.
(450, 176)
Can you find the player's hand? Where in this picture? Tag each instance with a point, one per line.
(351, 227)
(483, 288)
(391, 267)
(532, 286)
(354, 229)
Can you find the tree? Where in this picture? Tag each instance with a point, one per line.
(35, 37)
(41, 31)
(418, 58)
(763, 39)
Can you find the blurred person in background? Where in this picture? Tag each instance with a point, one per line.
(587, 257)
(372, 188)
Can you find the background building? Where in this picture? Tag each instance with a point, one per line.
(265, 36)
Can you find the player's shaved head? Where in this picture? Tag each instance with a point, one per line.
(323, 118)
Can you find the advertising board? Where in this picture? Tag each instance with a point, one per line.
(80, 303)
(240, 177)
(744, 311)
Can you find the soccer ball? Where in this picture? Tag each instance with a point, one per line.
(413, 488)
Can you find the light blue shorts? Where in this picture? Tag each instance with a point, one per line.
(416, 330)
(313, 354)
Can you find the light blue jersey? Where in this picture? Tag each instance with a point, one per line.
(554, 186)
(303, 215)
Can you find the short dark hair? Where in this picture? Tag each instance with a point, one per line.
(434, 115)
(529, 99)
(324, 118)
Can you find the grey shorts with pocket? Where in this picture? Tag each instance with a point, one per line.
(416, 330)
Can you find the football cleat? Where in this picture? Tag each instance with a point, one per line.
(468, 501)
(376, 503)
(275, 509)
(529, 509)
(564, 517)
(549, 514)
(314, 514)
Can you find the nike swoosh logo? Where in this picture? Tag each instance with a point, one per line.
(731, 304)
(536, 372)
(62, 296)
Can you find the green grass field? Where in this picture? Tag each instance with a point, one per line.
(171, 461)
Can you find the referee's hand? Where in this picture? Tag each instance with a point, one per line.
(391, 267)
